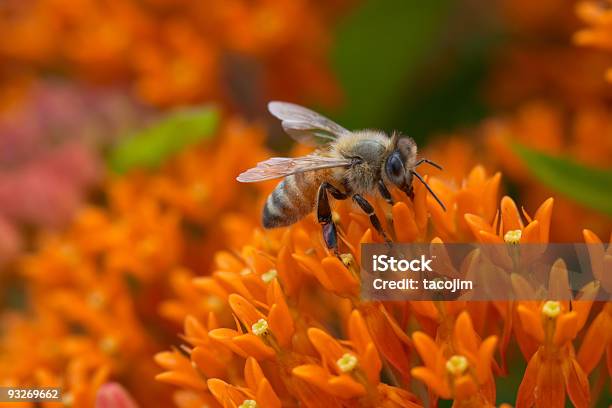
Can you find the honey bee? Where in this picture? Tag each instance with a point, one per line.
(347, 164)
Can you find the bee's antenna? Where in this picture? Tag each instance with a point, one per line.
(430, 162)
(429, 189)
(395, 136)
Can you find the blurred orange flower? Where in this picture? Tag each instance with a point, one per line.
(599, 33)
(93, 290)
(177, 52)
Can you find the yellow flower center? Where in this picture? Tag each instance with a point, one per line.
(68, 399)
(347, 259)
(335, 217)
(269, 276)
(108, 344)
(199, 192)
(456, 365)
(347, 362)
(96, 299)
(260, 328)
(69, 253)
(214, 303)
(513, 236)
(551, 309)
(248, 404)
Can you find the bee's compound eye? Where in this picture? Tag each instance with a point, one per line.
(395, 167)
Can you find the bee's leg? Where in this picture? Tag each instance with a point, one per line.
(369, 210)
(324, 214)
(384, 192)
(410, 193)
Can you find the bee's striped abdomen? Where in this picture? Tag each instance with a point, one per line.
(290, 201)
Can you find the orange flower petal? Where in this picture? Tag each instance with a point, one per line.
(232, 283)
(488, 238)
(358, 332)
(521, 287)
(345, 387)
(288, 271)
(404, 223)
(596, 254)
(343, 280)
(313, 266)
(485, 357)
(182, 379)
(464, 388)
(401, 334)
(385, 337)
(577, 385)
(207, 361)
(531, 323)
(279, 317)
(226, 336)
(370, 363)
(225, 393)
(592, 347)
(313, 374)
(210, 286)
(194, 329)
(550, 386)
(425, 308)
(227, 261)
(427, 349)
(566, 328)
(558, 282)
(398, 397)
(464, 334)
(433, 381)
(252, 373)
(531, 233)
(253, 346)
(246, 312)
(329, 349)
(544, 215)
(526, 391)
(511, 216)
(266, 396)
(477, 224)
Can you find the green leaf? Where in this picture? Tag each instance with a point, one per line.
(378, 48)
(588, 186)
(150, 147)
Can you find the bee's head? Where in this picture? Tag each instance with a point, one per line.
(400, 162)
(400, 166)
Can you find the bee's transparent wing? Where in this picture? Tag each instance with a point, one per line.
(306, 126)
(277, 167)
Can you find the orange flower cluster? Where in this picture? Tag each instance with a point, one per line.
(555, 101)
(175, 52)
(584, 134)
(280, 322)
(92, 293)
(276, 320)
